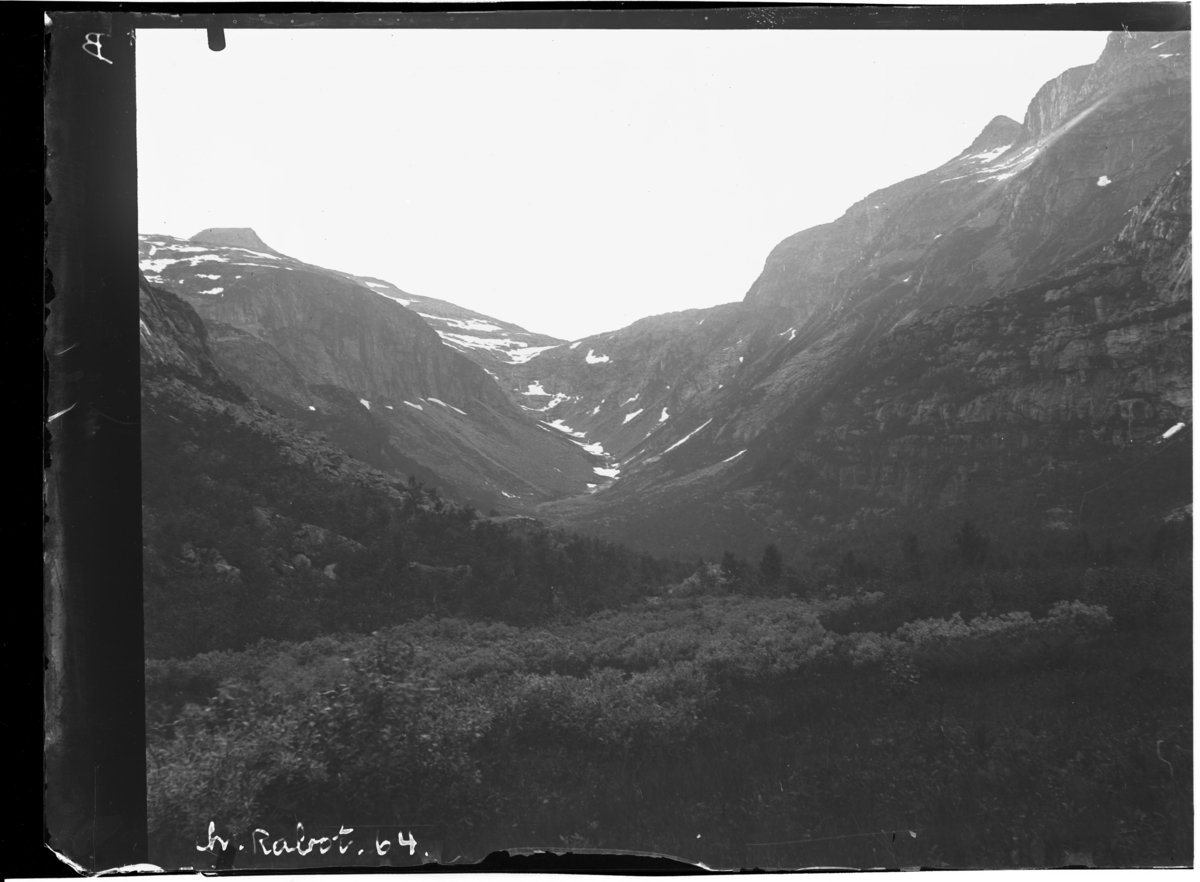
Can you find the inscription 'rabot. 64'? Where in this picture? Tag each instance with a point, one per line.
(260, 842)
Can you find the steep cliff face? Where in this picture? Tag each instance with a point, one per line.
(1053, 102)
(329, 351)
(174, 342)
(180, 377)
(1102, 353)
(1094, 354)
(1158, 236)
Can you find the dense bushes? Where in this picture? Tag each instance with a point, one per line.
(377, 740)
(414, 720)
(998, 641)
(1137, 598)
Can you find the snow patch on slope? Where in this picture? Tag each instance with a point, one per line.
(444, 404)
(157, 266)
(400, 300)
(563, 427)
(520, 356)
(688, 436)
(989, 155)
(464, 324)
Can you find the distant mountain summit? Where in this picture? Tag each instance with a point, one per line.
(1002, 131)
(233, 237)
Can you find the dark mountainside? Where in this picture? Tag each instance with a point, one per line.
(328, 351)
(254, 526)
(822, 420)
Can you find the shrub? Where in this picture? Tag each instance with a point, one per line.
(1136, 598)
(1004, 640)
(606, 710)
(383, 741)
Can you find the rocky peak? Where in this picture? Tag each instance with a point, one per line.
(1131, 61)
(233, 237)
(1000, 132)
(1055, 100)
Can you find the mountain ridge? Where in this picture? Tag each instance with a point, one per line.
(233, 237)
(329, 351)
(739, 411)
(989, 222)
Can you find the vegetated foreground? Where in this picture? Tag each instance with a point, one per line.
(867, 724)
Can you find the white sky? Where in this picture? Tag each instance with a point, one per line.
(569, 181)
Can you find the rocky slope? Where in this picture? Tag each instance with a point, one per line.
(492, 343)
(768, 417)
(329, 352)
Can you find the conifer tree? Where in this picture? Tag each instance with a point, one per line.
(771, 565)
(972, 544)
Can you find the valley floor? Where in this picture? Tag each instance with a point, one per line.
(734, 731)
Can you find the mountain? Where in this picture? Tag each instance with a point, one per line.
(1004, 337)
(234, 237)
(350, 358)
(983, 339)
(491, 343)
(254, 526)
